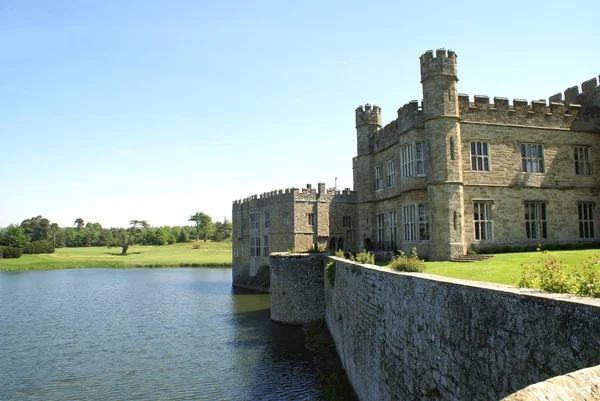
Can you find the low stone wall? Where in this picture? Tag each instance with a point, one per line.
(297, 291)
(405, 336)
(583, 385)
(255, 278)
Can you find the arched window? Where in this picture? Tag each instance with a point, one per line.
(332, 245)
(340, 244)
(367, 244)
(452, 147)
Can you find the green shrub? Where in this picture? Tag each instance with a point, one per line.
(364, 257)
(9, 252)
(550, 274)
(38, 247)
(410, 263)
(330, 273)
(588, 282)
(340, 254)
(182, 237)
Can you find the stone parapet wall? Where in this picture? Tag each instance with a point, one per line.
(583, 385)
(297, 291)
(416, 336)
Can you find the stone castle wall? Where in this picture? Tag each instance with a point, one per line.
(416, 336)
(288, 227)
(581, 385)
(297, 291)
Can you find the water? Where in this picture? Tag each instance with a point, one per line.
(145, 334)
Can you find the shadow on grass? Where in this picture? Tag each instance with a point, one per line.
(120, 254)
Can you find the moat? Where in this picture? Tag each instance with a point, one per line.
(145, 334)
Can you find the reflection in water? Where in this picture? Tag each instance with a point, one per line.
(145, 334)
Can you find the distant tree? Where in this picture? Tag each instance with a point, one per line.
(222, 230)
(14, 236)
(130, 235)
(38, 228)
(203, 224)
(160, 237)
(182, 237)
(79, 223)
(54, 230)
(105, 237)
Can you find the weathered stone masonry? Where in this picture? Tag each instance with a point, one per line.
(416, 336)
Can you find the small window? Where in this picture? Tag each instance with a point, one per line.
(408, 166)
(311, 219)
(235, 252)
(378, 178)
(423, 223)
(586, 220)
(286, 219)
(266, 245)
(452, 148)
(267, 220)
(408, 214)
(255, 221)
(347, 221)
(393, 229)
(380, 229)
(582, 160)
(254, 246)
(480, 156)
(420, 146)
(482, 221)
(391, 173)
(536, 225)
(532, 157)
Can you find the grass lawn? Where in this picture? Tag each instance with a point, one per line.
(504, 268)
(210, 254)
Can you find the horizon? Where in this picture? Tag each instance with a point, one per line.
(157, 110)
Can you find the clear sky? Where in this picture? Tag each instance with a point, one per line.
(116, 110)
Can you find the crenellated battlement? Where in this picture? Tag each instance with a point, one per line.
(537, 113)
(291, 193)
(410, 116)
(572, 95)
(442, 64)
(368, 114)
(265, 195)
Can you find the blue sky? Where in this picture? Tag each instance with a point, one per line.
(119, 110)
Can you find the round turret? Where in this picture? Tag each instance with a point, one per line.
(438, 77)
(368, 120)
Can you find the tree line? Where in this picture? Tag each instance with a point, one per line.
(45, 235)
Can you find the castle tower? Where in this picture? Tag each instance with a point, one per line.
(368, 120)
(442, 131)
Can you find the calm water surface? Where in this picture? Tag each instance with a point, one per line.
(145, 334)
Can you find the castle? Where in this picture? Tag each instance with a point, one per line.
(445, 176)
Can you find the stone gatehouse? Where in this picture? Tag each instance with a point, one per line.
(448, 174)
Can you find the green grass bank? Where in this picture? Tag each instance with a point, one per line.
(209, 254)
(505, 268)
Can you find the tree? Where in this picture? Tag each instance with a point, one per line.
(131, 234)
(54, 231)
(14, 236)
(38, 228)
(222, 230)
(182, 237)
(203, 224)
(79, 223)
